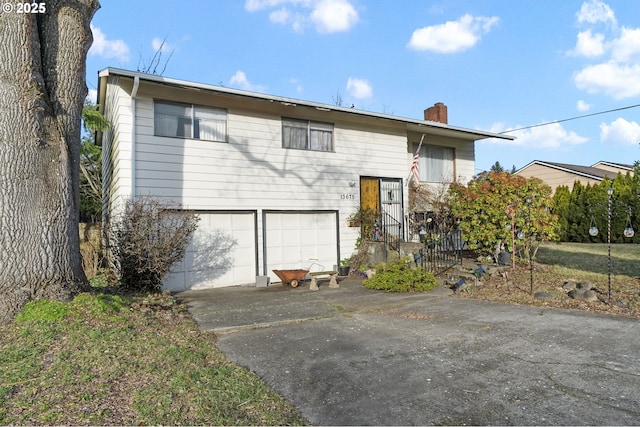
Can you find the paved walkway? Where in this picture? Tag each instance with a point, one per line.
(352, 356)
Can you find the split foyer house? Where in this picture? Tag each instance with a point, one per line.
(273, 179)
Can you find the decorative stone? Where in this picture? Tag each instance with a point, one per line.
(544, 295)
(569, 285)
(504, 258)
(586, 295)
(585, 285)
(314, 284)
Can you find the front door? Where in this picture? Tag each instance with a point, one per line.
(391, 208)
(384, 197)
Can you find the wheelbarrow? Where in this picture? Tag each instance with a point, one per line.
(291, 277)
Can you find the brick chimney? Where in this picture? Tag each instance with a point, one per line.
(437, 113)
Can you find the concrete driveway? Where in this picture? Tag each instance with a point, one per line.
(351, 356)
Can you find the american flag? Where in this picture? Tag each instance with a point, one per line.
(415, 164)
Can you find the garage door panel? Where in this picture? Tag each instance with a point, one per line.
(221, 253)
(300, 240)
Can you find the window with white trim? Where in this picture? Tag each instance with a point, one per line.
(307, 135)
(436, 163)
(189, 121)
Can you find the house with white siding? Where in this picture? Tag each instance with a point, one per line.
(273, 179)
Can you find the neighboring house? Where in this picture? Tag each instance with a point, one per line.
(558, 174)
(273, 179)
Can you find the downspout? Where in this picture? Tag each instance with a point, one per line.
(134, 93)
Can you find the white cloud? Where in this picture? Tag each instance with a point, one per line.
(160, 45)
(594, 12)
(583, 106)
(108, 48)
(332, 16)
(280, 16)
(589, 44)
(626, 48)
(617, 75)
(239, 79)
(551, 136)
(326, 16)
(359, 88)
(611, 78)
(452, 36)
(620, 132)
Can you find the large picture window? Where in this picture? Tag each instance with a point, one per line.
(307, 135)
(436, 163)
(189, 121)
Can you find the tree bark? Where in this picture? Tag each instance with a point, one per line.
(42, 90)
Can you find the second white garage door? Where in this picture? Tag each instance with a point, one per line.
(300, 240)
(222, 253)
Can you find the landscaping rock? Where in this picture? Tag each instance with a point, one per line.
(569, 285)
(586, 295)
(585, 285)
(544, 295)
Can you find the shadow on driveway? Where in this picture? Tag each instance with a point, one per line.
(352, 356)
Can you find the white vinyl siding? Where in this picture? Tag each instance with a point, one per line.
(189, 121)
(307, 135)
(116, 147)
(284, 188)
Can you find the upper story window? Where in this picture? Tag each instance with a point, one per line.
(189, 121)
(436, 163)
(307, 135)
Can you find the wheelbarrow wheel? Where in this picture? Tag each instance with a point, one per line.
(294, 283)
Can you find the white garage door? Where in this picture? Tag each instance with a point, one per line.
(300, 240)
(222, 253)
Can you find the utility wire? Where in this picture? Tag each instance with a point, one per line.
(571, 118)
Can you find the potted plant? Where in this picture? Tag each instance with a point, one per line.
(345, 266)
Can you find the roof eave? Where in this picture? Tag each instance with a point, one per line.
(412, 124)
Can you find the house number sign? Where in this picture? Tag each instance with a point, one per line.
(347, 197)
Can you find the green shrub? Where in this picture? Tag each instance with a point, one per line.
(398, 276)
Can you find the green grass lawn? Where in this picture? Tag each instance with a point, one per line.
(104, 359)
(592, 257)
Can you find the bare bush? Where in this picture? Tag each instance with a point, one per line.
(150, 237)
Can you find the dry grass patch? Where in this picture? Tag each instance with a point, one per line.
(560, 262)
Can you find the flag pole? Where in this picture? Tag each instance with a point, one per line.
(414, 162)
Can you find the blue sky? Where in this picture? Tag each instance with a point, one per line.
(496, 64)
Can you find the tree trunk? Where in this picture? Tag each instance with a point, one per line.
(42, 90)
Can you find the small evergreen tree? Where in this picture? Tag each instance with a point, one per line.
(561, 209)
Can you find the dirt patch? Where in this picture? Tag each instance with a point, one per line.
(517, 288)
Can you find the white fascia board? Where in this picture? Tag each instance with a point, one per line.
(413, 123)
